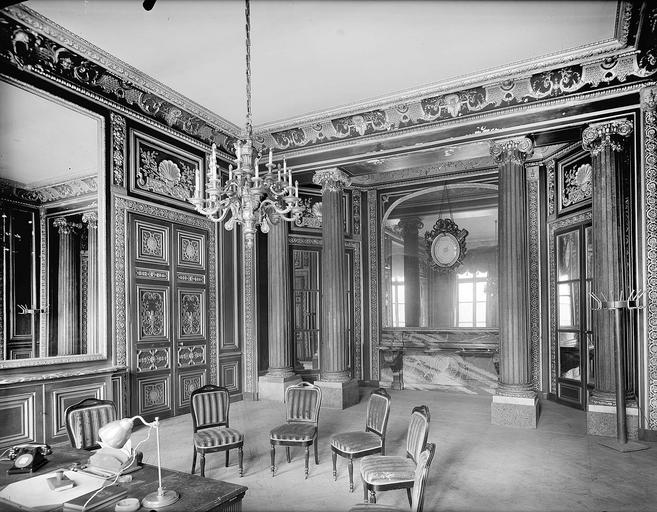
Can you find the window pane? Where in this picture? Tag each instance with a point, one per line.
(465, 314)
(568, 256)
(481, 314)
(568, 297)
(465, 275)
(480, 291)
(588, 240)
(465, 292)
(569, 356)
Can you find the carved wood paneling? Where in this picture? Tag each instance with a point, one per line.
(18, 416)
(152, 241)
(152, 313)
(192, 314)
(154, 395)
(61, 395)
(191, 250)
(230, 371)
(188, 381)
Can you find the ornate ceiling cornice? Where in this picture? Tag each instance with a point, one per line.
(33, 43)
(77, 187)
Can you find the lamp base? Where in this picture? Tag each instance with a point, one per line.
(159, 500)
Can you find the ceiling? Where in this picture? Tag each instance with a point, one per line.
(311, 56)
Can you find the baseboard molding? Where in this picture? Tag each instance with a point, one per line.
(648, 435)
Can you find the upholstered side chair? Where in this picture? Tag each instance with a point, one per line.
(84, 419)
(353, 445)
(419, 486)
(210, 406)
(387, 472)
(302, 404)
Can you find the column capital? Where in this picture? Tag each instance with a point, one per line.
(90, 218)
(611, 134)
(515, 150)
(64, 227)
(332, 179)
(411, 224)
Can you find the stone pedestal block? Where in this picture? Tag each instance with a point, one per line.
(271, 387)
(339, 395)
(601, 421)
(509, 411)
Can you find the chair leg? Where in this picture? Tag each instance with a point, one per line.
(306, 460)
(351, 474)
(410, 499)
(316, 454)
(194, 461)
(365, 492)
(334, 457)
(227, 457)
(372, 496)
(287, 454)
(240, 456)
(273, 459)
(202, 463)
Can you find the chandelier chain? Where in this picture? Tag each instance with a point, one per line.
(249, 123)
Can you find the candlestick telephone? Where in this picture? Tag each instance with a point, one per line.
(28, 457)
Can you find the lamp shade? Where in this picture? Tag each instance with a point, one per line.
(116, 433)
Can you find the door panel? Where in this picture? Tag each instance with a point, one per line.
(169, 302)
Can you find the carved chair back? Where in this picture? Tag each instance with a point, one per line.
(378, 411)
(210, 406)
(418, 431)
(84, 419)
(421, 475)
(302, 403)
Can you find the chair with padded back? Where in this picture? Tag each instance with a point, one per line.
(419, 486)
(210, 406)
(387, 472)
(302, 404)
(353, 445)
(84, 419)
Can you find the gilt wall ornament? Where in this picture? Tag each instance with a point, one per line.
(334, 180)
(446, 245)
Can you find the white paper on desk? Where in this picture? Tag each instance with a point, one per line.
(35, 494)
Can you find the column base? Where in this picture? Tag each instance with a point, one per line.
(509, 411)
(272, 387)
(339, 395)
(601, 421)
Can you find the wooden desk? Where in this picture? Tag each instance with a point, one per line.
(197, 494)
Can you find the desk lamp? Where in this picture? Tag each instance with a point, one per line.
(117, 433)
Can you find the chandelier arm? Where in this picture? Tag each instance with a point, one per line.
(249, 125)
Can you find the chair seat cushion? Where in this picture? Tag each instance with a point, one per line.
(299, 432)
(386, 469)
(217, 436)
(354, 442)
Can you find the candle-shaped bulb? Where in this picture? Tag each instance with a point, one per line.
(197, 188)
(213, 162)
(278, 168)
(239, 152)
(230, 173)
(270, 156)
(289, 178)
(257, 167)
(296, 188)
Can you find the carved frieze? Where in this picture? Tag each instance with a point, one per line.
(148, 273)
(78, 187)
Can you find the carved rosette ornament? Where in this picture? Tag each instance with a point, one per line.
(516, 150)
(332, 179)
(611, 134)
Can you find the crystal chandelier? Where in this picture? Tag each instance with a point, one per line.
(249, 197)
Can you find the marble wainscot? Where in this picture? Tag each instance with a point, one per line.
(462, 360)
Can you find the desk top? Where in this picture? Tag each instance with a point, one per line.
(196, 493)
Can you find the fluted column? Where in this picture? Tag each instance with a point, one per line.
(68, 334)
(280, 374)
(410, 227)
(608, 145)
(91, 220)
(515, 402)
(339, 391)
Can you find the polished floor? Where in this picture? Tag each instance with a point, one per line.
(477, 467)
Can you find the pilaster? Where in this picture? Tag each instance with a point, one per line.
(91, 220)
(410, 227)
(68, 334)
(515, 403)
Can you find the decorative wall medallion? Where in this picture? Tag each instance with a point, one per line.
(152, 313)
(576, 184)
(162, 171)
(191, 250)
(311, 216)
(153, 359)
(446, 245)
(190, 278)
(147, 273)
(191, 355)
(155, 395)
(152, 242)
(191, 313)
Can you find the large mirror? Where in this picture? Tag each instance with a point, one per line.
(440, 259)
(52, 207)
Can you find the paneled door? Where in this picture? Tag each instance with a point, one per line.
(574, 336)
(168, 315)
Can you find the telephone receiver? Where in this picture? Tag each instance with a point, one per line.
(28, 457)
